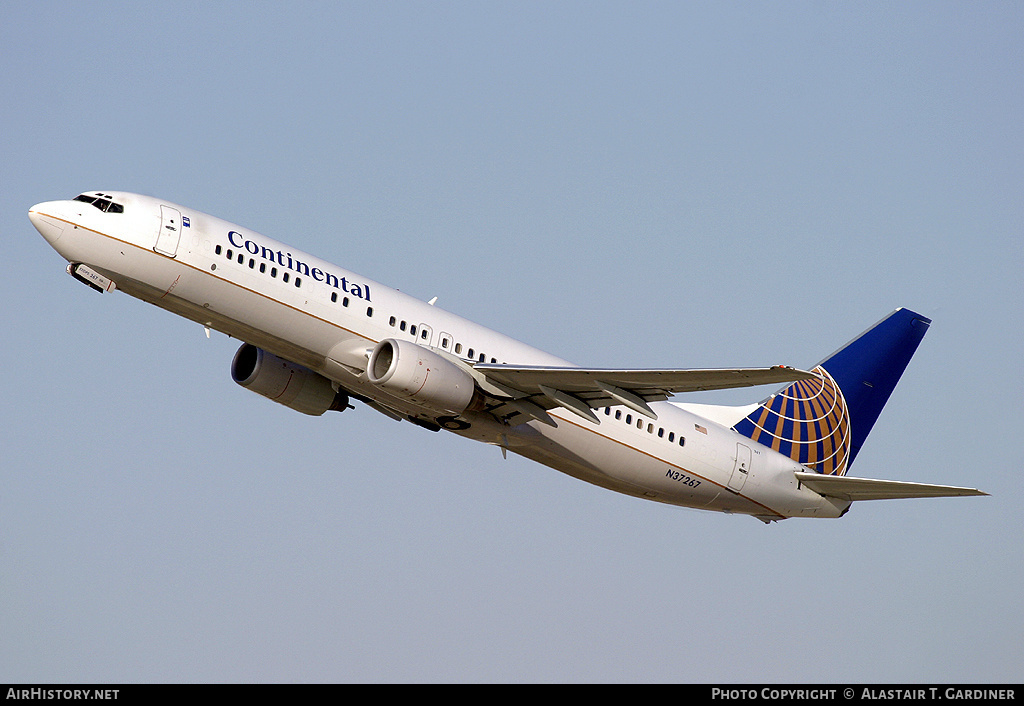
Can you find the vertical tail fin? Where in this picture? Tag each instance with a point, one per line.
(822, 424)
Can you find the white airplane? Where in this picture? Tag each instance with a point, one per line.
(317, 335)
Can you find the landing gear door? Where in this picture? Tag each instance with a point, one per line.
(170, 231)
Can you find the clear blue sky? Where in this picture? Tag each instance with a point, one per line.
(637, 184)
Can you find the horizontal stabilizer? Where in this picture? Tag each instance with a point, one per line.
(847, 488)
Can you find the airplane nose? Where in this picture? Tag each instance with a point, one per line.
(46, 218)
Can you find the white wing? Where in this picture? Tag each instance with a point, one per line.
(530, 390)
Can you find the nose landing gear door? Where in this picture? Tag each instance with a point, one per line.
(170, 231)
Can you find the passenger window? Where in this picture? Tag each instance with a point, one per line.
(390, 321)
(334, 298)
(369, 311)
(458, 348)
(284, 277)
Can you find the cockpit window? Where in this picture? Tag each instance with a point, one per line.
(102, 202)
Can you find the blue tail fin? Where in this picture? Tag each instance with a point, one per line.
(822, 423)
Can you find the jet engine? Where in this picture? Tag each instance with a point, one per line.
(285, 382)
(420, 375)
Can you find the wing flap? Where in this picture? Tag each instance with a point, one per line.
(853, 489)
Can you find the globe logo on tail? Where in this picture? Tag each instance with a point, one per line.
(807, 421)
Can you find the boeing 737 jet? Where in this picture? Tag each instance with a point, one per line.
(317, 336)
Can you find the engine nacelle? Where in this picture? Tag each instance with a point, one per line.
(285, 382)
(420, 375)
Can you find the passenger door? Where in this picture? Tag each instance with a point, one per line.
(170, 231)
(741, 470)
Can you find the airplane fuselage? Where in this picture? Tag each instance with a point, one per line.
(327, 319)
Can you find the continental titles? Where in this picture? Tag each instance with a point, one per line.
(285, 259)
